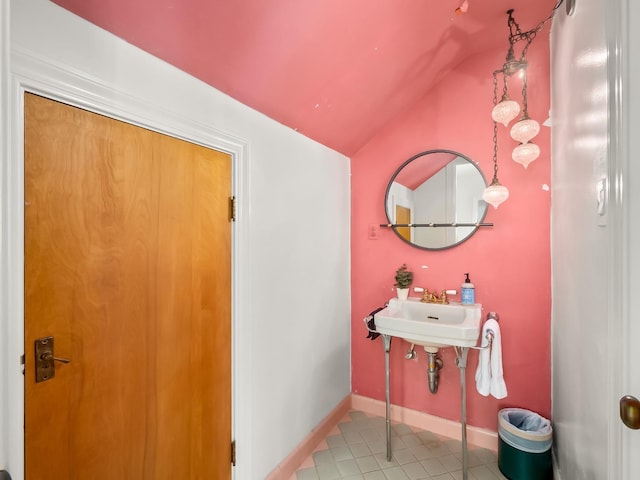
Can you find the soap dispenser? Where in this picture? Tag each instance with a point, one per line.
(468, 292)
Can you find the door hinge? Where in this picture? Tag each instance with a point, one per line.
(233, 453)
(232, 209)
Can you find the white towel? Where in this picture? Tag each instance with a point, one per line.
(498, 387)
(483, 372)
(489, 375)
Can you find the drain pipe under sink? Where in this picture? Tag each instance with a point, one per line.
(433, 369)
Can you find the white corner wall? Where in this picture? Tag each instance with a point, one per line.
(291, 245)
(582, 397)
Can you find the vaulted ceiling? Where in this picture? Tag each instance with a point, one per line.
(335, 70)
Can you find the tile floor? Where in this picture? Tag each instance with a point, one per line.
(356, 450)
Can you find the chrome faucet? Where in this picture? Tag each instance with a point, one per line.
(434, 297)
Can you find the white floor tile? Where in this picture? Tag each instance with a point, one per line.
(359, 452)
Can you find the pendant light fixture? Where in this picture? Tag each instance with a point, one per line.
(526, 128)
(496, 193)
(525, 153)
(507, 109)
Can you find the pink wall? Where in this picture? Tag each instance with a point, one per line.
(509, 263)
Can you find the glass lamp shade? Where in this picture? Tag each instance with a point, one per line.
(525, 129)
(525, 153)
(505, 111)
(495, 193)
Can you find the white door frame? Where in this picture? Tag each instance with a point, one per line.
(624, 257)
(625, 199)
(58, 82)
(617, 254)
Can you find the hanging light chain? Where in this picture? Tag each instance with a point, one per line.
(505, 88)
(516, 34)
(525, 112)
(511, 64)
(495, 128)
(496, 193)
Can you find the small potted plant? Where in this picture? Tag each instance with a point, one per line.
(403, 278)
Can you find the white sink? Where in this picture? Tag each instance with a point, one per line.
(431, 325)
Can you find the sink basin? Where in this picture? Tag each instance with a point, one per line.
(431, 325)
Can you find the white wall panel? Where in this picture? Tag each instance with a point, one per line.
(580, 242)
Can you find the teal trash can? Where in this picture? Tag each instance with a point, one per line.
(524, 445)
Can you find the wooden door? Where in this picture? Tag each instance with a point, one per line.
(128, 267)
(403, 216)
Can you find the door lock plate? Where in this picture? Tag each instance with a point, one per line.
(45, 359)
(45, 366)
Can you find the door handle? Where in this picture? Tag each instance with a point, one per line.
(630, 411)
(45, 359)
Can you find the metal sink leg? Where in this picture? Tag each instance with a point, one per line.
(387, 347)
(461, 361)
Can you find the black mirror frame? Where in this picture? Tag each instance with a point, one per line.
(397, 172)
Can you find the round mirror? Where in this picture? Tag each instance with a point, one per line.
(432, 193)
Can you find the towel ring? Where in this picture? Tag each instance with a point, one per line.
(490, 333)
(489, 337)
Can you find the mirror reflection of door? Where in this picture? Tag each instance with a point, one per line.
(403, 215)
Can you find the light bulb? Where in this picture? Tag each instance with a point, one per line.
(505, 111)
(495, 193)
(525, 129)
(525, 153)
